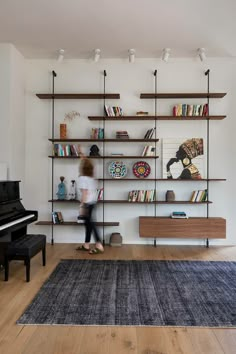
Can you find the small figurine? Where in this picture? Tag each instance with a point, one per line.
(94, 151)
(72, 193)
(61, 193)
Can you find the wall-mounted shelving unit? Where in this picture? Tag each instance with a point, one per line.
(200, 227)
(150, 226)
(71, 96)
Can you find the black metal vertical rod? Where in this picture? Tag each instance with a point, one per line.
(207, 73)
(155, 103)
(52, 186)
(155, 174)
(103, 160)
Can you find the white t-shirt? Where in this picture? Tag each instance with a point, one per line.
(90, 184)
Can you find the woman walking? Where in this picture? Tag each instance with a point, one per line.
(88, 192)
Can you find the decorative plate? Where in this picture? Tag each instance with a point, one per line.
(117, 169)
(141, 169)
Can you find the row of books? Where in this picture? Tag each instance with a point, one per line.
(122, 134)
(190, 110)
(179, 215)
(113, 111)
(141, 195)
(97, 133)
(66, 150)
(148, 150)
(57, 217)
(199, 196)
(149, 133)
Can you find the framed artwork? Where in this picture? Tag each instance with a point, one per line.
(183, 158)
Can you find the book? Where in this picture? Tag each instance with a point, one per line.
(59, 217)
(179, 215)
(141, 113)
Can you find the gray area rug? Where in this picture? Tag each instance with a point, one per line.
(137, 293)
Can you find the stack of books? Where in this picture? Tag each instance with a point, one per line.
(57, 217)
(149, 133)
(122, 134)
(148, 151)
(141, 113)
(199, 196)
(113, 111)
(99, 194)
(142, 196)
(66, 150)
(117, 154)
(97, 133)
(179, 215)
(190, 110)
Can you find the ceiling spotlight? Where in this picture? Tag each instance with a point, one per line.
(97, 54)
(202, 53)
(131, 55)
(165, 54)
(60, 56)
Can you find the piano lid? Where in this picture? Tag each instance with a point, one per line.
(9, 191)
(12, 213)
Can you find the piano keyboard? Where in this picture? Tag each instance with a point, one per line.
(18, 221)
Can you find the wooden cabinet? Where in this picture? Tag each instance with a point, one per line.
(165, 227)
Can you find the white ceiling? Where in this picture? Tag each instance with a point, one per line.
(39, 28)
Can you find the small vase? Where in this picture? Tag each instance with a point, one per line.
(63, 132)
(170, 196)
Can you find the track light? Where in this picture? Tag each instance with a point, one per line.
(131, 55)
(165, 54)
(202, 54)
(60, 56)
(97, 54)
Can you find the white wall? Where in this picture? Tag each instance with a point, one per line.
(5, 103)
(12, 112)
(78, 76)
(17, 113)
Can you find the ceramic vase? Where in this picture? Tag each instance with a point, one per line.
(170, 196)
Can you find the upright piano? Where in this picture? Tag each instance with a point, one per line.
(13, 216)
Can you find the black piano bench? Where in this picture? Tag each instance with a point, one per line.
(24, 249)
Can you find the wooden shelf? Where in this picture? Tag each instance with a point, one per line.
(163, 179)
(197, 227)
(103, 140)
(144, 118)
(120, 157)
(114, 201)
(119, 118)
(182, 95)
(154, 202)
(77, 96)
(74, 223)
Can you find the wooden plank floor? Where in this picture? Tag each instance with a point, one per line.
(16, 294)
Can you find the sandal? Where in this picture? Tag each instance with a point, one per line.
(96, 251)
(82, 248)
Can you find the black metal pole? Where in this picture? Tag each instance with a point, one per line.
(155, 103)
(207, 73)
(52, 186)
(103, 160)
(155, 106)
